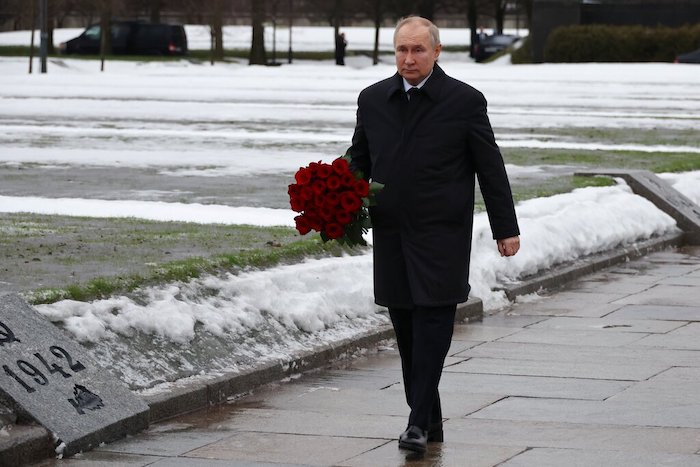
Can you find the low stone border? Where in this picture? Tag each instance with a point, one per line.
(200, 395)
(584, 266)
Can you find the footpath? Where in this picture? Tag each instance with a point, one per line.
(605, 372)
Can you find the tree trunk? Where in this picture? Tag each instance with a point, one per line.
(155, 11)
(257, 46)
(472, 20)
(426, 9)
(217, 31)
(105, 32)
(500, 14)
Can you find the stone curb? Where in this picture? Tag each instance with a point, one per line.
(25, 444)
(563, 274)
(199, 395)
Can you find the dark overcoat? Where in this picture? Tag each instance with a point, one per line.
(428, 160)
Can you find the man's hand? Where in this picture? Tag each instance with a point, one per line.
(508, 246)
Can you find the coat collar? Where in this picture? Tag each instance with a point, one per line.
(431, 88)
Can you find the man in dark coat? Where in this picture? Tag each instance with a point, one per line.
(425, 136)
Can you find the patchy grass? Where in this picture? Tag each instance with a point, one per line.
(187, 269)
(649, 137)
(54, 257)
(655, 162)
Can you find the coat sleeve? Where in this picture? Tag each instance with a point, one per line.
(491, 173)
(359, 150)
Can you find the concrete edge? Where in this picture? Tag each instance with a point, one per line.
(561, 275)
(25, 444)
(199, 395)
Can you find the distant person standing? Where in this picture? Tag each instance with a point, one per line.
(340, 46)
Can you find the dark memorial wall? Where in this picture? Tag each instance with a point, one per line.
(550, 14)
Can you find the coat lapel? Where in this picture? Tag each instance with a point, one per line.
(430, 94)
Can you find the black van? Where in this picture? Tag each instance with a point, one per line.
(131, 38)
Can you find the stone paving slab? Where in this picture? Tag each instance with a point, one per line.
(313, 423)
(664, 295)
(547, 457)
(657, 312)
(649, 412)
(443, 455)
(194, 462)
(482, 332)
(678, 386)
(357, 401)
(604, 284)
(572, 435)
(165, 443)
(286, 447)
(597, 338)
(533, 386)
(561, 369)
(609, 322)
(584, 354)
(102, 459)
(573, 308)
(685, 337)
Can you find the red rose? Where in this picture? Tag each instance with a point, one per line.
(333, 182)
(313, 167)
(343, 217)
(326, 213)
(341, 166)
(347, 179)
(324, 170)
(303, 176)
(361, 188)
(314, 222)
(306, 193)
(293, 190)
(297, 204)
(332, 199)
(350, 202)
(302, 225)
(319, 187)
(334, 230)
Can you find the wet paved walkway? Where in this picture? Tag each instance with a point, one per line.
(603, 373)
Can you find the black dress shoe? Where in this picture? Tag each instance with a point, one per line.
(435, 433)
(414, 439)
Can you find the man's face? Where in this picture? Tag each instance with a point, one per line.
(415, 53)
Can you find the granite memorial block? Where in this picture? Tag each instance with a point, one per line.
(645, 183)
(47, 376)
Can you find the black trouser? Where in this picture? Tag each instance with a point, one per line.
(423, 335)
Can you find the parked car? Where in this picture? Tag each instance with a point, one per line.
(131, 38)
(491, 45)
(689, 57)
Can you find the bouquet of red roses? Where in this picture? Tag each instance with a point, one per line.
(332, 200)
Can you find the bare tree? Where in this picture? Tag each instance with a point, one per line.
(216, 29)
(426, 9)
(105, 28)
(257, 46)
(155, 6)
(499, 13)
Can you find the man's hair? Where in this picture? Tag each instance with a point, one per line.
(434, 31)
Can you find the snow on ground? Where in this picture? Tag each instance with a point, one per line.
(188, 120)
(687, 183)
